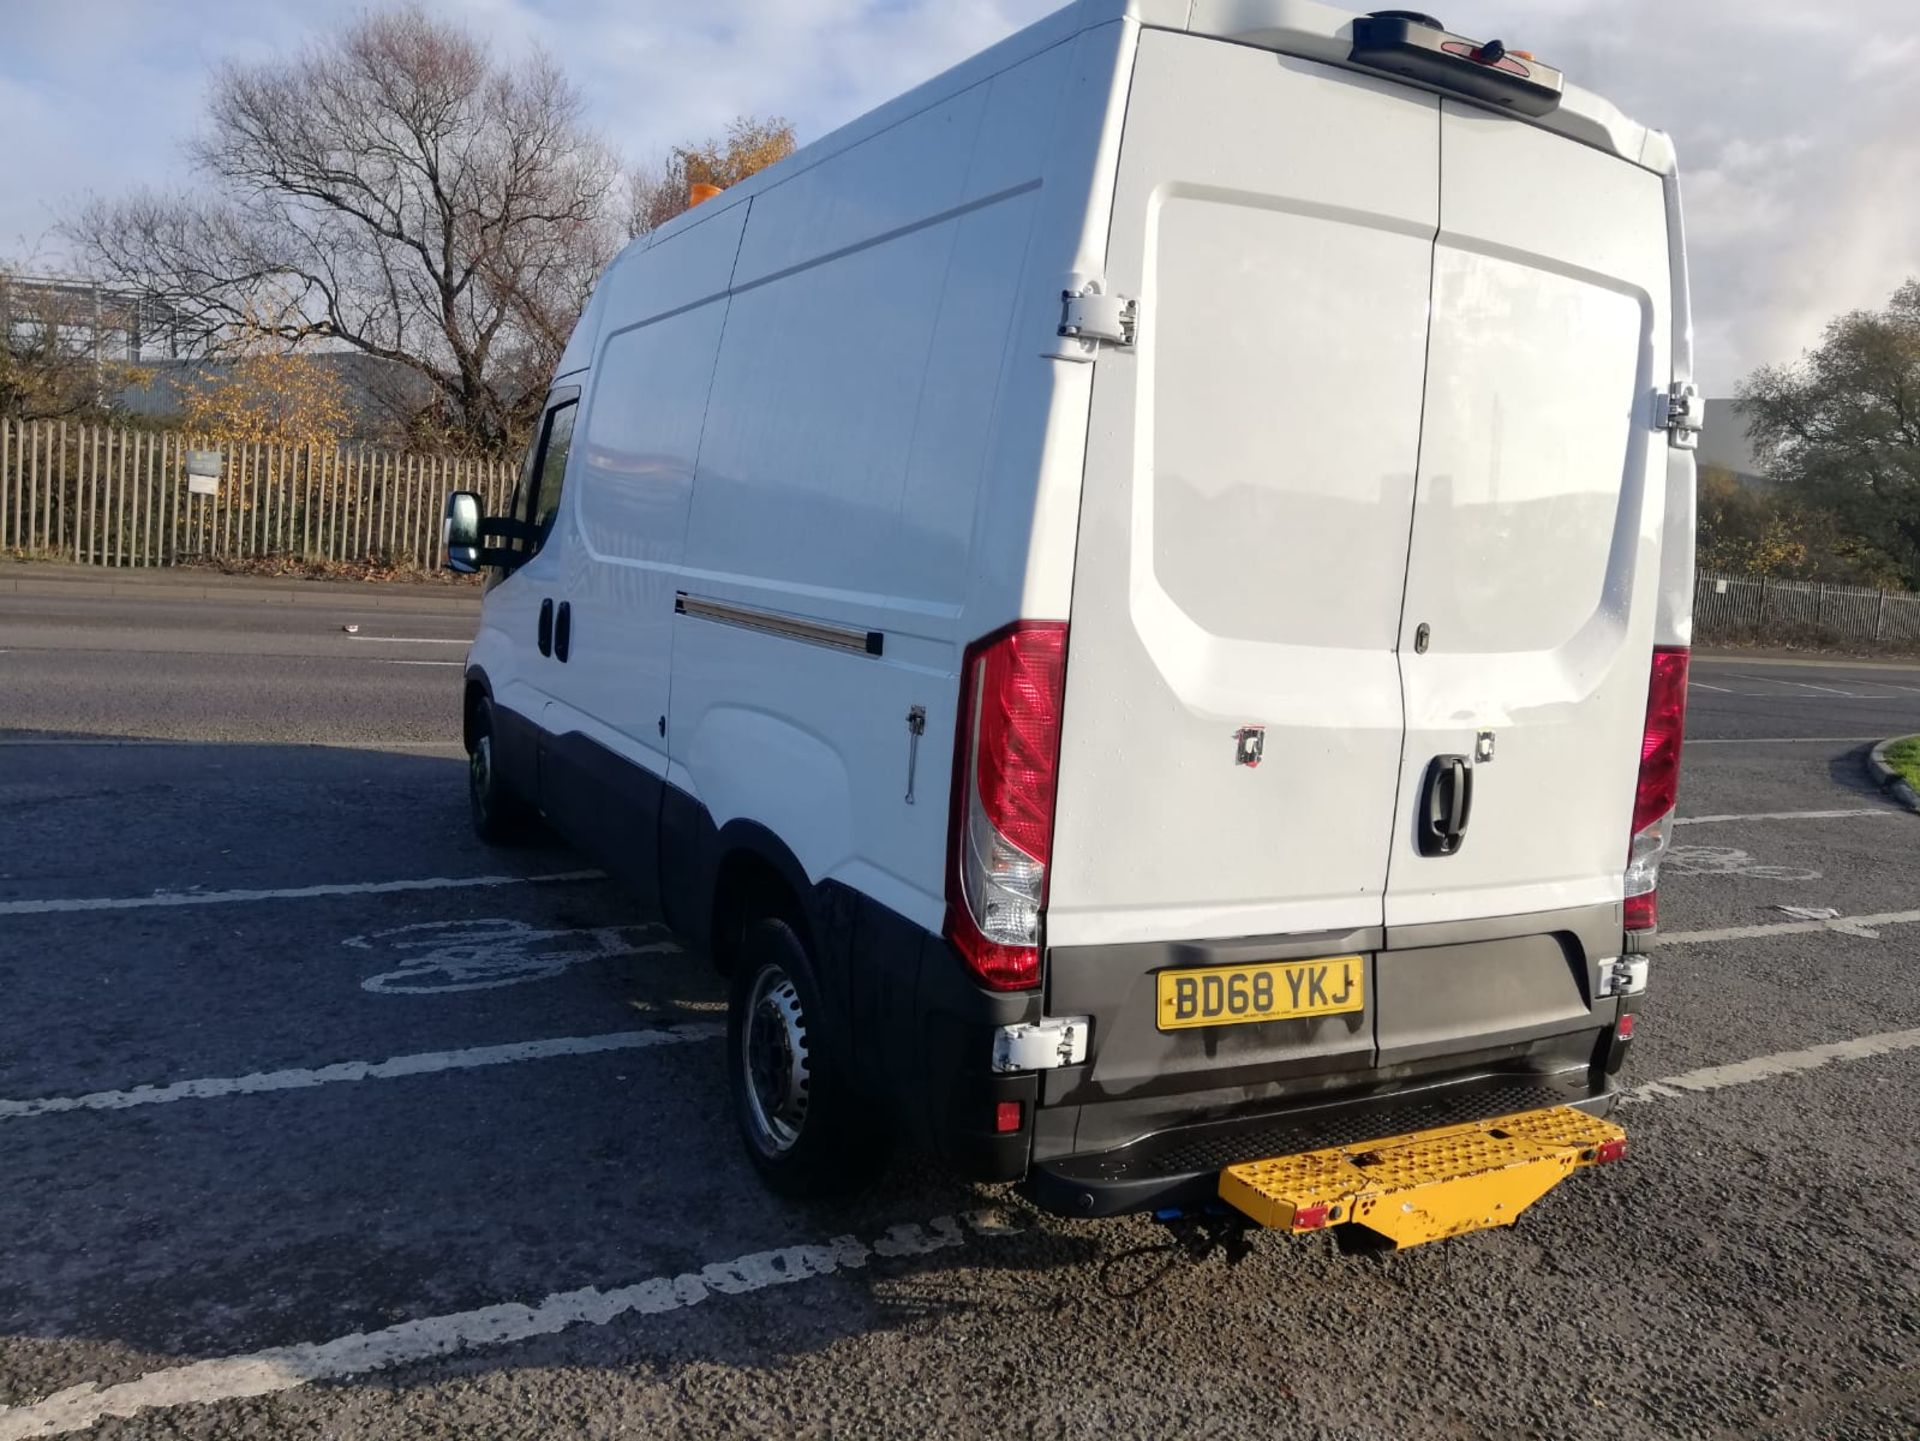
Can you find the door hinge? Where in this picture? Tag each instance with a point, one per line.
(1091, 314)
(1681, 413)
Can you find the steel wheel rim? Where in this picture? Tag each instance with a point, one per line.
(774, 1062)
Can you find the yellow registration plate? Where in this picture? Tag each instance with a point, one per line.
(1268, 991)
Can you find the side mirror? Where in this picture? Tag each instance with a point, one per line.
(460, 530)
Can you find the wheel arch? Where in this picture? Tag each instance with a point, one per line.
(479, 688)
(756, 874)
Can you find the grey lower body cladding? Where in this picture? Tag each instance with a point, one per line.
(1461, 1022)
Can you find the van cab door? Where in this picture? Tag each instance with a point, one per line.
(1532, 579)
(1233, 720)
(516, 637)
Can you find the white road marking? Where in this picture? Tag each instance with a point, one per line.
(1789, 816)
(393, 1068)
(1767, 1068)
(1833, 691)
(1715, 661)
(1862, 926)
(285, 1368)
(414, 639)
(1729, 861)
(1702, 685)
(375, 745)
(421, 662)
(483, 954)
(1788, 741)
(288, 893)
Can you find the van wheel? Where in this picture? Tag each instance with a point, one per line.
(795, 1112)
(500, 817)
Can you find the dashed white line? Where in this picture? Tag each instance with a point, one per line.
(1786, 741)
(85, 742)
(414, 639)
(287, 893)
(1863, 926)
(287, 1368)
(1702, 685)
(1790, 816)
(1827, 690)
(423, 1063)
(422, 662)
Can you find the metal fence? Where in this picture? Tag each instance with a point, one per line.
(1730, 608)
(110, 495)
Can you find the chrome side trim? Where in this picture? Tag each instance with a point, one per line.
(773, 622)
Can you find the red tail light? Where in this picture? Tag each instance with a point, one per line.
(1660, 743)
(1005, 772)
(1658, 786)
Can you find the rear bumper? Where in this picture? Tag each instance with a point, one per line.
(1462, 1024)
(1181, 1165)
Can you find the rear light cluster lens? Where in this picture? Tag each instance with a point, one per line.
(1006, 768)
(1658, 787)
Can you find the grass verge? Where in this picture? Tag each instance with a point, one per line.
(1904, 757)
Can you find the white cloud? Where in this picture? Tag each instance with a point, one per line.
(1798, 125)
(1798, 128)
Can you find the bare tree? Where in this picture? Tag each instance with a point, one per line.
(392, 190)
(50, 347)
(655, 196)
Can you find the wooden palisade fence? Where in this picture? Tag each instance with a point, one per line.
(112, 495)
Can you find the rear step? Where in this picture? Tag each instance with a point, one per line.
(1181, 1166)
(1427, 1185)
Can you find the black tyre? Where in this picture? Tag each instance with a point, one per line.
(798, 1116)
(500, 817)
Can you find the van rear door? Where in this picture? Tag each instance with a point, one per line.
(1531, 585)
(1232, 733)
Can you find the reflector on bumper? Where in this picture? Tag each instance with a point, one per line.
(1427, 1185)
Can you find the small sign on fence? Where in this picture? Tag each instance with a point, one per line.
(203, 472)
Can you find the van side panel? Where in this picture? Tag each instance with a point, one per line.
(1673, 625)
(851, 417)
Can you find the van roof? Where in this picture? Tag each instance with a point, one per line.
(1307, 28)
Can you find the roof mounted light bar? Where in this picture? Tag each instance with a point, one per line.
(1414, 45)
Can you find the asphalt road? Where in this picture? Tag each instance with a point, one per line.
(308, 1128)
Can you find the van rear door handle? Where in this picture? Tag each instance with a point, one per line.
(563, 631)
(545, 633)
(1446, 805)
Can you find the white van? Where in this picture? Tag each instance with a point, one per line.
(1136, 598)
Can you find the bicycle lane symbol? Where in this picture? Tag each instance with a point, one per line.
(1729, 861)
(480, 955)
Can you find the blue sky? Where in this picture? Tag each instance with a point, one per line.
(1798, 123)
